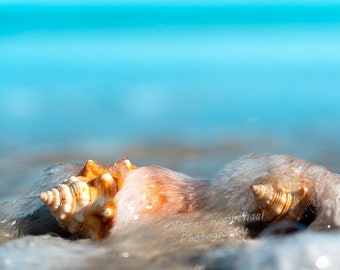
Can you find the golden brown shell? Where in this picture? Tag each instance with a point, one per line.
(84, 204)
(282, 195)
(88, 205)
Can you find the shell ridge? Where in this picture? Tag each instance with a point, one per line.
(282, 198)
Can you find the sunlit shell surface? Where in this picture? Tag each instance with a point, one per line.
(277, 204)
(277, 187)
(84, 204)
(90, 204)
(285, 194)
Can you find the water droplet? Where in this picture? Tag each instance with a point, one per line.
(322, 262)
(125, 254)
(7, 261)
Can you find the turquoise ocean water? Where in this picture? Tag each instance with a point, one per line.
(86, 73)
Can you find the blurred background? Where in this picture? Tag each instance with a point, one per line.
(189, 85)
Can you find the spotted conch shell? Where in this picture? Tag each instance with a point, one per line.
(100, 196)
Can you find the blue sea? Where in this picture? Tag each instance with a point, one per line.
(85, 74)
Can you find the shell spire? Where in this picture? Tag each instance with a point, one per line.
(277, 203)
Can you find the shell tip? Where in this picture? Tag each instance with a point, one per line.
(43, 196)
(106, 177)
(255, 189)
(128, 164)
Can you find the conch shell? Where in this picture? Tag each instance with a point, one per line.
(100, 196)
(285, 195)
(280, 188)
(275, 204)
(84, 205)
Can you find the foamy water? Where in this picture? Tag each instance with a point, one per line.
(216, 239)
